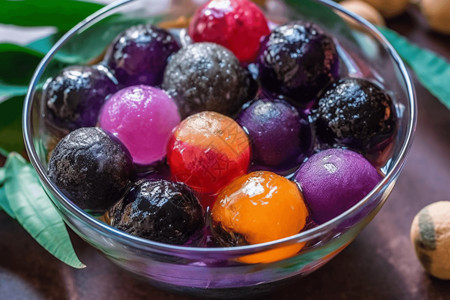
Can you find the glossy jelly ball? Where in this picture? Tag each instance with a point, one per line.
(74, 97)
(334, 180)
(256, 208)
(206, 76)
(279, 135)
(208, 150)
(158, 210)
(91, 168)
(355, 113)
(297, 60)
(142, 117)
(237, 25)
(139, 55)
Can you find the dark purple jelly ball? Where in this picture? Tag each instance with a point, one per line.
(297, 60)
(334, 180)
(74, 97)
(206, 76)
(91, 168)
(139, 55)
(355, 113)
(280, 136)
(158, 210)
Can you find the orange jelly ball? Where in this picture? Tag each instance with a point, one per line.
(207, 151)
(256, 208)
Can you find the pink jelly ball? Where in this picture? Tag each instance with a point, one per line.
(334, 180)
(142, 118)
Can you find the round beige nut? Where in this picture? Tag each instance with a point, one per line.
(437, 13)
(389, 8)
(430, 235)
(364, 10)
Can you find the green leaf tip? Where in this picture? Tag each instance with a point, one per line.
(432, 70)
(60, 14)
(4, 204)
(2, 176)
(34, 210)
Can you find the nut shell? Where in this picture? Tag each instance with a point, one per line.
(364, 10)
(437, 13)
(389, 8)
(430, 235)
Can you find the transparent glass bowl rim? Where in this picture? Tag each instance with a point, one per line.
(240, 250)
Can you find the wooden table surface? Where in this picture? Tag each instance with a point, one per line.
(379, 264)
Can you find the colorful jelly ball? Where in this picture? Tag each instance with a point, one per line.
(334, 180)
(356, 113)
(139, 55)
(297, 60)
(158, 210)
(90, 167)
(237, 25)
(208, 150)
(206, 76)
(142, 117)
(256, 208)
(74, 97)
(280, 136)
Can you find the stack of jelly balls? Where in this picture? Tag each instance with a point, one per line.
(243, 133)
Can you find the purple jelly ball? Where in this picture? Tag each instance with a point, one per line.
(139, 55)
(142, 117)
(334, 180)
(279, 134)
(297, 60)
(74, 97)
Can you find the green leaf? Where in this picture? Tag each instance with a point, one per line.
(4, 204)
(432, 70)
(2, 176)
(3, 152)
(60, 14)
(82, 49)
(11, 138)
(44, 44)
(319, 13)
(35, 211)
(18, 64)
(9, 91)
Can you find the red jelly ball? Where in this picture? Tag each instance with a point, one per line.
(207, 151)
(235, 24)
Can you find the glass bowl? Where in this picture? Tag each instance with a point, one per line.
(364, 52)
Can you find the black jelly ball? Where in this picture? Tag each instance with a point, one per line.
(139, 55)
(158, 210)
(206, 76)
(280, 136)
(356, 113)
(297, 60)
(74, 97)
(91, 168)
